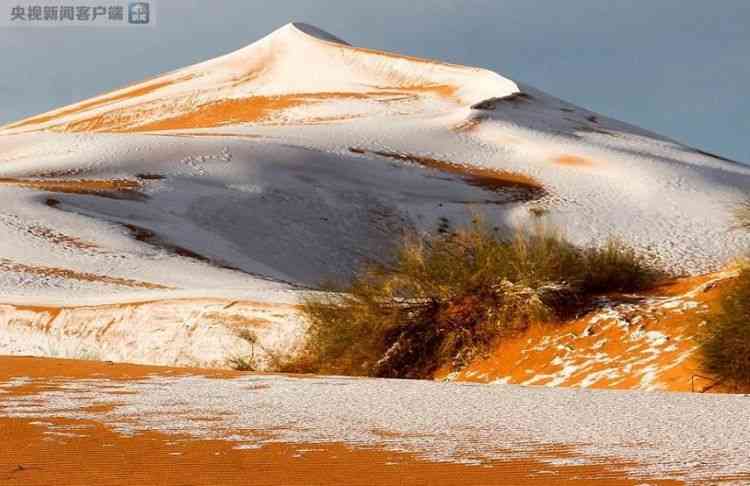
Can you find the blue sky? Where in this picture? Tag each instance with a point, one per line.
(677, 67)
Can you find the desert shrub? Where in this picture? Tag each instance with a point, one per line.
(447, 297)
(615, 267)
(245, 362)
(725, 344)
(242, 363)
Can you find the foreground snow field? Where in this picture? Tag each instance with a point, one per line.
(251, 176)
(699, 439)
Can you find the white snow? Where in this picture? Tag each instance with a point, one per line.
(691, 437)
(191, 333)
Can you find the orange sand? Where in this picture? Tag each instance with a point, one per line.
(140, 89)
(122, 188)
(533, 353)
(34, 455)
(8, 265)
(573, 160)
(491, 179)
(233, 111)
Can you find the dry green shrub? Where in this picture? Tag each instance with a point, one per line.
(446, 298)
(725, 344)
(245, 362)
(615, 267)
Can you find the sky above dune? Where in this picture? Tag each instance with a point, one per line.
(677, 67)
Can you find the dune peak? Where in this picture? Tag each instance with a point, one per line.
(313, 31)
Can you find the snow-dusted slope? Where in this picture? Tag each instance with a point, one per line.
(296, 158)
(643, 438)
(296, 74)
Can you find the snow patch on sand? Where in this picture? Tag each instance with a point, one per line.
(683, 436)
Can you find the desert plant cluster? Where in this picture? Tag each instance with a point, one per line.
(725, 342)
(447, 297)
(726, 339)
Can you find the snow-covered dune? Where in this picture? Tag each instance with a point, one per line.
(296, 158)
(296, 74)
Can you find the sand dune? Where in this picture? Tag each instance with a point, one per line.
(256, 175)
